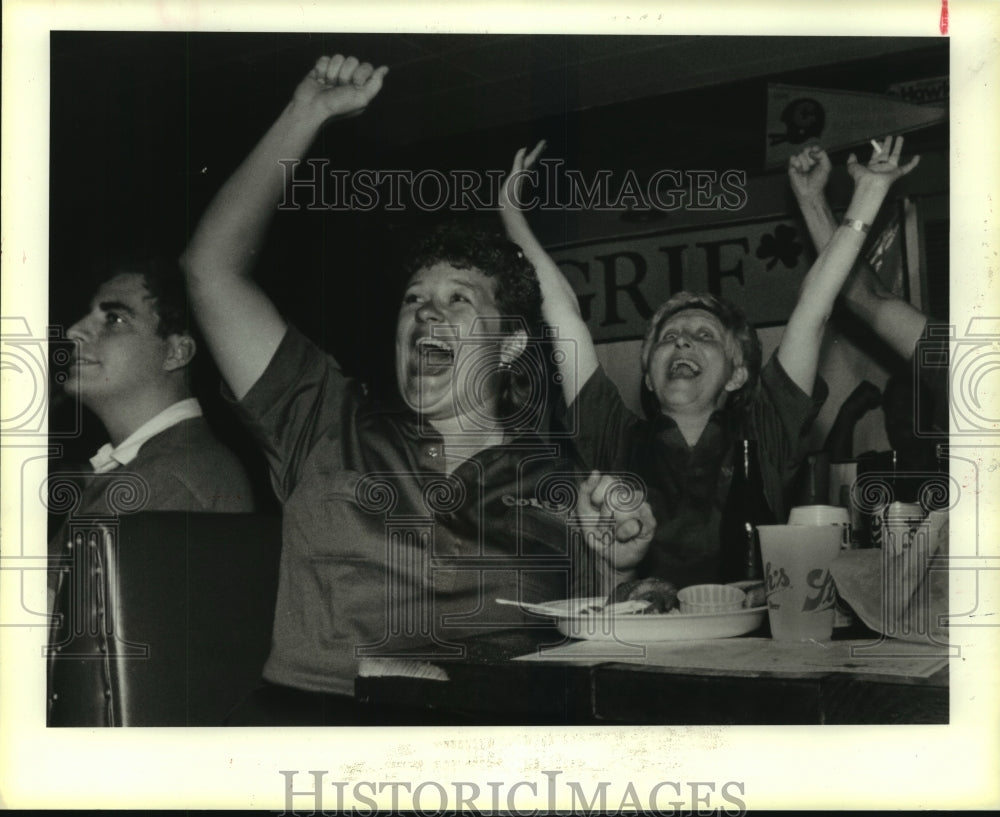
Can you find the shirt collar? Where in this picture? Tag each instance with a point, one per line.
(109, 457)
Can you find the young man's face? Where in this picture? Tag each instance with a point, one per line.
(119, 352)
(442, 369)
(691, 367)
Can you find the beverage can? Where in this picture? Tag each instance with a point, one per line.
(901, 522)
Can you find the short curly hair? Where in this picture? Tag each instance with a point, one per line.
(742, 343)
(468, 245)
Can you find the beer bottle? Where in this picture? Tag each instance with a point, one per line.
(745, 508)
(890, 477)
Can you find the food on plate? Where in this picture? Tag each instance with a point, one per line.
(661, 594)
(711, 598)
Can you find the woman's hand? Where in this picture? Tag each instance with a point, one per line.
(510, 192)
(608, 504)
(808, 172)
(339, 86)
(883, 168)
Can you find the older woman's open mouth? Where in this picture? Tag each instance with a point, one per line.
(683, 368)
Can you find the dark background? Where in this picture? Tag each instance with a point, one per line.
(145, 127)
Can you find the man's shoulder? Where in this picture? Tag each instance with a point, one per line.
(189, 457)
(190, 433)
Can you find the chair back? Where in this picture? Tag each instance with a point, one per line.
(163, 618)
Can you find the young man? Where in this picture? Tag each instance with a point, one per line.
(130, 368)
(403, 520)
(700, 361)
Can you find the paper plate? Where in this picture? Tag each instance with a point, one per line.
(636, 629)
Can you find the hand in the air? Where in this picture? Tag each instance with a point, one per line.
(808, 172)
(339, 86)
(883, 168)
(510, 192)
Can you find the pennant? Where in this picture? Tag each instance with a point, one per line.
(798, 116)
(931, 91)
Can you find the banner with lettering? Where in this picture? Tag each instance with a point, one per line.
(797, 116)
(930, 91)
(621, 281)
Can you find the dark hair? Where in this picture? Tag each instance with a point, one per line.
(466, 245)
(164, 282)
(745, 349)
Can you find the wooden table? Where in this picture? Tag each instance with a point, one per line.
(487, 688)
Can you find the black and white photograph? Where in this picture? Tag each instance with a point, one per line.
(448, 411)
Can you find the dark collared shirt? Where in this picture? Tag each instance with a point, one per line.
(687, 485)
(382, 548)
(182, 468)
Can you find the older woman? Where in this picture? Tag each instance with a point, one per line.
(703, 383)
(403, 520)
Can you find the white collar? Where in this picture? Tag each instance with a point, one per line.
(109, 457)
